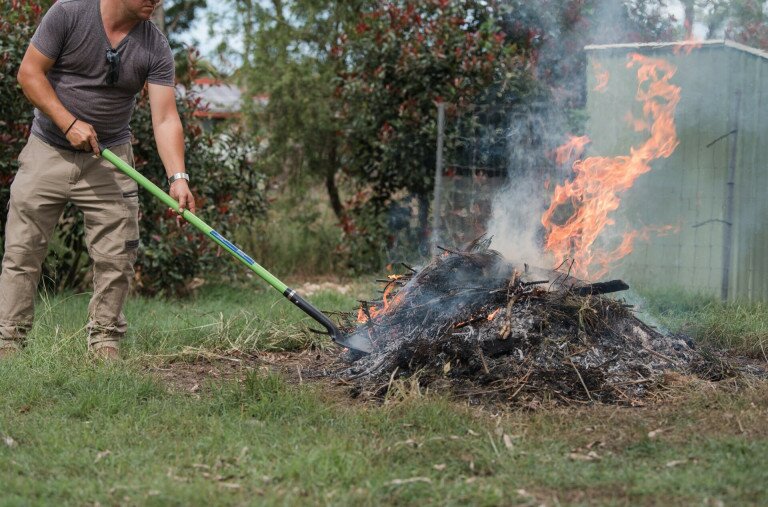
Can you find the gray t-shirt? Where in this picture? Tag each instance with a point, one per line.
(72, 33)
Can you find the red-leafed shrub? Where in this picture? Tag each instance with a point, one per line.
(18, 19)
(404, 57)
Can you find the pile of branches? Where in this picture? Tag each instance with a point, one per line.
(487, 328)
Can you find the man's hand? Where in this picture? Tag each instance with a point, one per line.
(180, 191)
(82, 136)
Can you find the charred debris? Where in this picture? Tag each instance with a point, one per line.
(472, 323)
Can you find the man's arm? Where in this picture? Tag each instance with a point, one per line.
(36, 87)
(169, 137)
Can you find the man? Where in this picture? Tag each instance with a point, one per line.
(82, 71)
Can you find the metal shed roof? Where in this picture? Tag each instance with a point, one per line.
(680, 44)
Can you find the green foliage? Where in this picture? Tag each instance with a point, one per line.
(404, 57)
(744, 21)
(299, 236)
(178, 16)
(748, 22)
(227, 189)
(287, 57)
(18, 20)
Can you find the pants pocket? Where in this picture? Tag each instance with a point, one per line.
(130, 194)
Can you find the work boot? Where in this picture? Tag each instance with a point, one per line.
(8, 349)
(106, 353)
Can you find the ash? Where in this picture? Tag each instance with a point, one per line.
(475, 323)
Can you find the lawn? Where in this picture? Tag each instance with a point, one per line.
(82, 433)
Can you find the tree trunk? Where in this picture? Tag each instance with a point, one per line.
(424, 203)
(690, 18)
(330, 184)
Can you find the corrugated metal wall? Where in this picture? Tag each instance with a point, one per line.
(689, 190)
(749, 78)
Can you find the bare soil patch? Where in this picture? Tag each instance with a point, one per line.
(324, 370)
(195, 373)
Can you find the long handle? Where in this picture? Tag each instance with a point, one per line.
(194, 220)
(238, 254)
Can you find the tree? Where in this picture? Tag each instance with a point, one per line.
(744, 21)
(175, 17)
(352, 86)
(288, 56)
(404, 57)
(748, 22)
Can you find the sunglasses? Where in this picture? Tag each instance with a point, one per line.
(113, 74)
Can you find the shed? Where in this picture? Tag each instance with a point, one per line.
(713, 187)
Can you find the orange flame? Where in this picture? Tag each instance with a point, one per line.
(602, 76)
(571, 150)
(637, 124)
(594, 191)
(386, 305)
(494, 314)
(687, 47)
(691, 42)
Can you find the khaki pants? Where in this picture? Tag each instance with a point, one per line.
(47, 179)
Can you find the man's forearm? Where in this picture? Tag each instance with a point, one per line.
(169, 137)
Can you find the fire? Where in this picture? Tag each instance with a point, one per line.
(594, 191)
(386, 306)
(691, 42)
(602, 76)
(687, 47)
(571, 150)
(637, 124)
(494, 314)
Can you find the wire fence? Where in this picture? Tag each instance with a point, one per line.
(485, 151)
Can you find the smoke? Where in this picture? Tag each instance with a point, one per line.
(515, 224)
(533, 133)
(515, 219)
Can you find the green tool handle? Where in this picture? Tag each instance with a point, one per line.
(290, 294)
(194, 220)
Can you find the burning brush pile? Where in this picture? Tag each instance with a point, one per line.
(485, 326)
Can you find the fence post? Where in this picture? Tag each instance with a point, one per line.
(730, 185)
(438, 196)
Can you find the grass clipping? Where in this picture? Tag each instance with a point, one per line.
(473, 322)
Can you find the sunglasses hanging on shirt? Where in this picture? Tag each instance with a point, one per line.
(113, 74)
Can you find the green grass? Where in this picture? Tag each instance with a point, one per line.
(740, 327)
(86, 433)
(300, 235)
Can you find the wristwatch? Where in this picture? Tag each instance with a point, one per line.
(178, 176)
